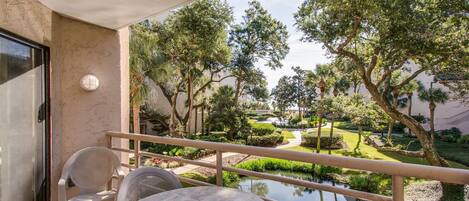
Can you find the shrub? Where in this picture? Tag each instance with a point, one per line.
(294, 120)
(450, 135)
(265, 140)
(272, 164)
(310, 138)
(262, 128)
(464, 139)
(211, 138)
(230, 179)
(373, 183)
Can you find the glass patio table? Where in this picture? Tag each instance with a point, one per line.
(203, 193)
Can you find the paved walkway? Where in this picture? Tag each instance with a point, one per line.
(213, 158)
(292, 142)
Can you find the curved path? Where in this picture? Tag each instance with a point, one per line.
(212, 159)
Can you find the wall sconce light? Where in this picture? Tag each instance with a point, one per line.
(89, 82)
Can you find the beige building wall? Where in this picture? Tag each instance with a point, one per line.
(451, 114)
(79, 118)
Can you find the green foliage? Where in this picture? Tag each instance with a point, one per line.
(262, 128)
(271, 164)
(282, 94)
(295, 120)
(159, 121)
(450, 135)
(268, 140)
(464, 139)
(310, 139)
(227, 115)
(258, 36)
(373, 183)
(230, 179)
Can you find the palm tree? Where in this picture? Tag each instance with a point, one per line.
(433, 96)
(321, 78)
(340, 85)
(409, 90)
(146, 64)
(138, 68)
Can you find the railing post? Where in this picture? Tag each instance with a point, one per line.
(397, 188)
(137, 153)
(219, 168)
(109, 146)
(109, 141)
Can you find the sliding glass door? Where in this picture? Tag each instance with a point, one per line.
(23, 138)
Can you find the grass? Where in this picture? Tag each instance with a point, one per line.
(287, 134)
(366, 151)
(451, 151)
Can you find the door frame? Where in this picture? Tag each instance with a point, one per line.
(47, 122)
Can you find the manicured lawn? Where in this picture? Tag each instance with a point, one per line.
(451, 151)
(287, 134)
(366, 151)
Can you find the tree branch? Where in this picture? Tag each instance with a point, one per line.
(410, 78)
(351, 35)
(373, 62)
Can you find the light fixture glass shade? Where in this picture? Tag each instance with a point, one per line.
(89, 82)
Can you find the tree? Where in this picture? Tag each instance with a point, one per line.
(199, 55)
(227, 114)
(282, 94)
(321, 78)
(340, 85)
(140, 62)
(409, 90)
(362, 113)
(258, 37)
(381, 37)
(376, 37)
(433, 96)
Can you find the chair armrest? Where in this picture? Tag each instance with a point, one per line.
(120, 176)
(62, 190)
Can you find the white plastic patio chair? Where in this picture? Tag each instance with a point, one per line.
(90, 169)
(146, 181)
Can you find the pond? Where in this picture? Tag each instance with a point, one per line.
(286, 192)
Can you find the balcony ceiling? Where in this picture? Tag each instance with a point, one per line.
(113, 14)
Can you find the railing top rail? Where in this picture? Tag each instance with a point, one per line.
(449, 175)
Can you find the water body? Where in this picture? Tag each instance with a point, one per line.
(286, 192)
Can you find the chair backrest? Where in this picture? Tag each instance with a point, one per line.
(146, 181)
(91, 168)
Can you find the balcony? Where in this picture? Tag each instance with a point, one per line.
(398, 171)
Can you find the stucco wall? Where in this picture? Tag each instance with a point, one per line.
(79, 118)
(453, 113)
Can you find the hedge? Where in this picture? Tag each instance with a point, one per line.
(265, 140)
(262, 128)
(310, 139)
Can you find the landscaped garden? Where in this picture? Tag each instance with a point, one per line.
(352, 106)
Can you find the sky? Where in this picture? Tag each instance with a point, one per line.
(305, 55)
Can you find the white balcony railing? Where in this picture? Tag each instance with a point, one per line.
(397, 170)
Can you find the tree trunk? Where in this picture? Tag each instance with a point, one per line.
(203, 119)
(331, 133)
(299, 111)
(238, 90)
(389, 136)
(190, 103)
(318, 141)
(431, 154)
(195, 120)
(392, 121)
(409, 109)
(172, 119)
(136, 117)
(357, 147)
(432, 121)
